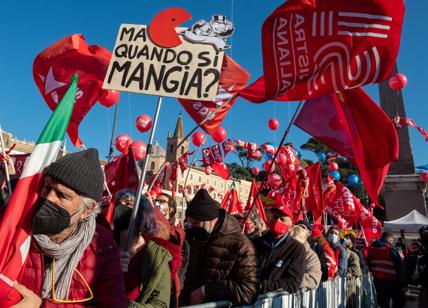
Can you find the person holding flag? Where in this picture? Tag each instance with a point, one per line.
(53, 251)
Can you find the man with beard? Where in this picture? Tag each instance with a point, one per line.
(72, 262)
(222, 263)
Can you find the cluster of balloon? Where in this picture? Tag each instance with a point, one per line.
(322, 156)
(109, 98)
(333, 166)
(139, 150)
(255, 170)
(219, 135)
(354, 180)
(424, 177)
(266, 166)
(198, 139)
(274, 180)
(123, 142)
(273, 124)
(208, 170)
(397, 81)
(144, 123)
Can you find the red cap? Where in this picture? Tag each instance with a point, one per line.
(285, 210)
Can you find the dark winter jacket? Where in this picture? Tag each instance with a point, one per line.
(100, 267)
(225, 264)
(281, 267)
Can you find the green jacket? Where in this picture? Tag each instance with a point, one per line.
(155, 278)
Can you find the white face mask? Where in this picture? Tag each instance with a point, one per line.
(333, 238)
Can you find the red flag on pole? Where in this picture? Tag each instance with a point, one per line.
(230, 202)
(315, 48)
(233, 78)
(259, 209)
(314, 201)
(372, 227)
(228, 146)
(354, 128)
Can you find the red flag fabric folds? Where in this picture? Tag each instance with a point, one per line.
(314, 201)
(371, 227)
(228, 146)
(259, 209)
(52, 71)
(233, 78)
(231, 202)
(315, 48)
(357, 129)
(221, 169)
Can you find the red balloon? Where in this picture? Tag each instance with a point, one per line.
(333, 166)
(198, 139)
(219, 135)
(281, 159)
(397, 81)
(274, 180)
(424, 177)
(122, 142)
(208, 170)
(266, 166)
(256, 170)
(109, 98)
(144, 123)
(273, 124)
(139, 150)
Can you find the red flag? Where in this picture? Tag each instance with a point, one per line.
(19, 161)
(216, 152)
(401, 122)
(259, 209)
(230, 202)
(342, 205)
(52, 71)
(354, 128)
(372, 227)
(269, 149)
(207, 157)
(173, 174)
(228, 146)
(252, 150)
(289, 151)
(314, 200)
(233, 78)
(221, 169)
(315, 48)
(120, 173)
(241, 143)
(183, 161)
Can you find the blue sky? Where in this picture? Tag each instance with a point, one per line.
(28, 27)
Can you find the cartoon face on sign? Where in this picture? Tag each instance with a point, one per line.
(214, 32)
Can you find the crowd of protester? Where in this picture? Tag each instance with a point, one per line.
(77, 258)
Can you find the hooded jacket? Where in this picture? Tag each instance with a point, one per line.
(225, 264)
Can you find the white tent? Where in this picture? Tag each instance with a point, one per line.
(411, 222)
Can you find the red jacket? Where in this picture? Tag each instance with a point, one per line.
(381, 262)
(100, 266)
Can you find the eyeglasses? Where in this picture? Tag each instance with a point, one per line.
(57, 300)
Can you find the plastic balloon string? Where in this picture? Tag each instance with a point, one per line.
(129, 115)
(287, 131)
(110, 153)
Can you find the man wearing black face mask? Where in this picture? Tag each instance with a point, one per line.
(222, 264)
(72, 261)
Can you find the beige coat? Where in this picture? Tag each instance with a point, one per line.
(312, 275)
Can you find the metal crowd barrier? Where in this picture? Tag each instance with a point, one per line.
(329, 294)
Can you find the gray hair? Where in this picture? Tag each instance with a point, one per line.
(87, 203)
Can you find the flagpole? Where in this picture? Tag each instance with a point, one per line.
(284, 136)
(187, 175)
(143, 176)
(192, 131)
(6, 170)
(110, 153)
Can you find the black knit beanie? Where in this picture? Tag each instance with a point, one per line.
(80, 171)
(203, 207)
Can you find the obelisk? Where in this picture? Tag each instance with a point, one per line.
(403, 190)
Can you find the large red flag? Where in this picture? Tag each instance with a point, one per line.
(52, 71)
(318, 47)
(314, 201)
(120, 173)
(233, 78)
(230, 202)
(342, 205)
(354, 128)
(221, 169)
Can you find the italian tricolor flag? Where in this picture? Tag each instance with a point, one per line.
(16, 224)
